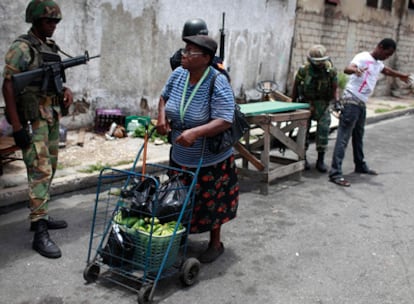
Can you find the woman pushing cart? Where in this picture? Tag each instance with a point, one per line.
(193, 109)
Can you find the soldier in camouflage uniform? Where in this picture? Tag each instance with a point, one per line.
(34, 115)
(316, 83)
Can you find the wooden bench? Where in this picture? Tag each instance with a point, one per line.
(7, 151)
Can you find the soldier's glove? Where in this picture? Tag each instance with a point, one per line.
(22, 138)
(338, 107)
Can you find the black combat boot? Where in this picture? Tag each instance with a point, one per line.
(42, 242)
(320, 164)
(51, 224)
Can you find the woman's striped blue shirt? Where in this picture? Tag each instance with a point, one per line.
(198, 113)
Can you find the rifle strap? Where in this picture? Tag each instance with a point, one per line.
(64, 53)
(211, 88)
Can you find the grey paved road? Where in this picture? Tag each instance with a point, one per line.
(307, 242)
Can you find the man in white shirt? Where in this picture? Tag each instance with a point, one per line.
(364, 70)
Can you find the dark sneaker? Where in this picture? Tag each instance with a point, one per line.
(211, 254)
(51, 224)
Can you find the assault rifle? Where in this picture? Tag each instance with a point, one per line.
(222, 37)
(52, 70)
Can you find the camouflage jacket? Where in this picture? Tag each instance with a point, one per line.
(316, 83)
(26, 53)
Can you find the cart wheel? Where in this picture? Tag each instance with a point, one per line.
(91, 273)
(144, 294)
(189, 271)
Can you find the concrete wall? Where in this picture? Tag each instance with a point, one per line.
(136, 39)
(351, 27)
(405, 53)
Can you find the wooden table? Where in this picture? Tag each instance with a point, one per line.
(7, 151)
(277, 120)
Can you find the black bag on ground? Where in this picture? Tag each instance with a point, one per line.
(119, 249)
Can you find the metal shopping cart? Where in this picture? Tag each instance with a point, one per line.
(141, 221)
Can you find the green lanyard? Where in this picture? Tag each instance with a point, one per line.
(184, 105)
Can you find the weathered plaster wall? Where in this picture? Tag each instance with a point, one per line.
(265, 40)
(136, 39)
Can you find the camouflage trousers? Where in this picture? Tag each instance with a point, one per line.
(40, 159)
(319, 113)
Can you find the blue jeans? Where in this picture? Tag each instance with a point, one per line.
(351, 122)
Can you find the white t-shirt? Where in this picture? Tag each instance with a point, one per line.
(363, 86)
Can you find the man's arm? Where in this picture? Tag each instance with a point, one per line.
(8, 94)
(295, 88)
(20, 135)
(354, 69)
(393, 73)
(298, 89)
(295, 91)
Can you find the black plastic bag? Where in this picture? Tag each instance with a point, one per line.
(166, 205)
(119, 249)
(171, 197)
(141, 194)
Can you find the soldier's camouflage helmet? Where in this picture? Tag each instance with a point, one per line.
(42, 9)
(317, 54)
(193, 27)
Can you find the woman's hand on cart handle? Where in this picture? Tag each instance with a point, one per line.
(163, 128)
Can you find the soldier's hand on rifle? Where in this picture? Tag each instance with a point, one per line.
(67, 97)
(22, 138)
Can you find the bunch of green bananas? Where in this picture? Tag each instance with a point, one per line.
(144, 224)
